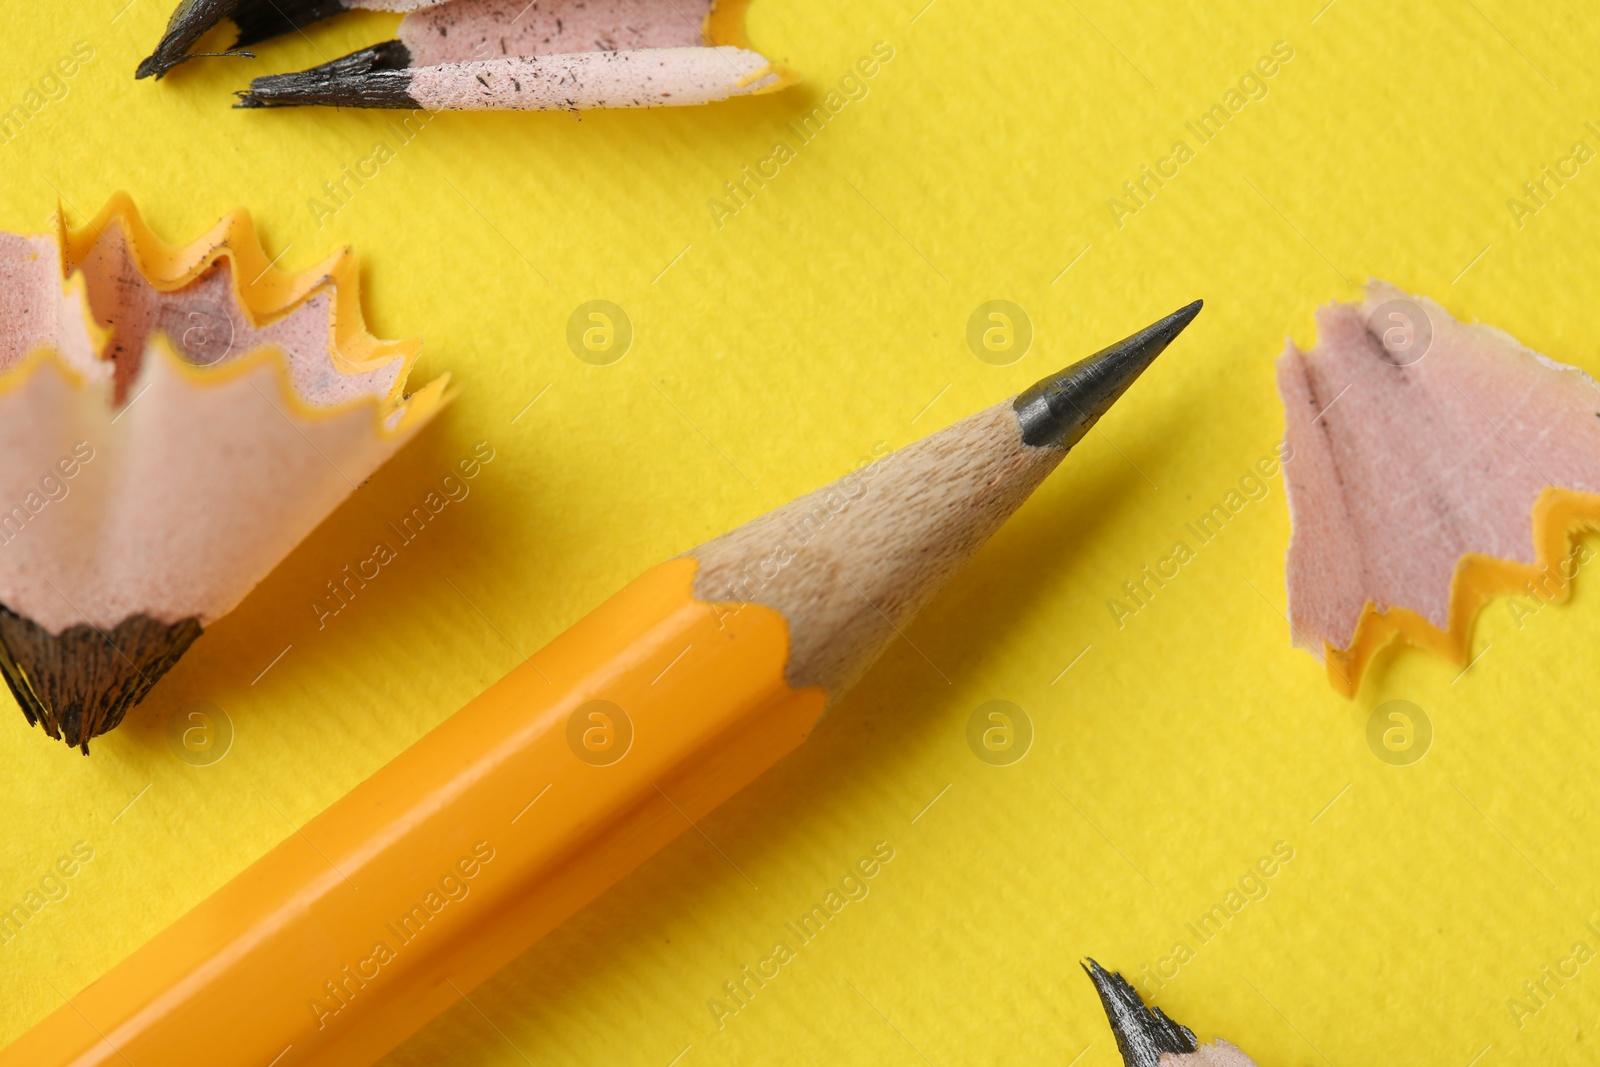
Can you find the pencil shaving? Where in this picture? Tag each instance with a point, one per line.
(1435, 464)
(173, 420)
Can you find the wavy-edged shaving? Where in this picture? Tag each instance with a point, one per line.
(1434, 464)
(173, 421)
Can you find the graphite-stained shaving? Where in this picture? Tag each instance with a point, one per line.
(173, 421)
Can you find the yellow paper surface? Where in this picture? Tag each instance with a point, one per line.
(776, 341)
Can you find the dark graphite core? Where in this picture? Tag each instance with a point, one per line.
(188, 24)
(79, 683)
(1063, 407)
(257, 20)
(372, 77)
(1142, 1033)
(260, 20)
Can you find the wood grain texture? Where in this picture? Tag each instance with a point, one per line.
(850, 564)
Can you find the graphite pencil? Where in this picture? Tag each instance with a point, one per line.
(588, 758)
(1146, 1037)
(499, 54)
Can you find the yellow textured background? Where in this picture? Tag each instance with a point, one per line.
(825, 316)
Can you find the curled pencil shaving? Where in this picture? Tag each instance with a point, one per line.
(173, 420)
(501, 54)
(1435, 465)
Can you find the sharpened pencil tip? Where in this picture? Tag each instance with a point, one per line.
(1142, 1033)
(188, 24)
(372, 77)
(1063, 407)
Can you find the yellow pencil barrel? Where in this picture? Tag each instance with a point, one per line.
(463, 851)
